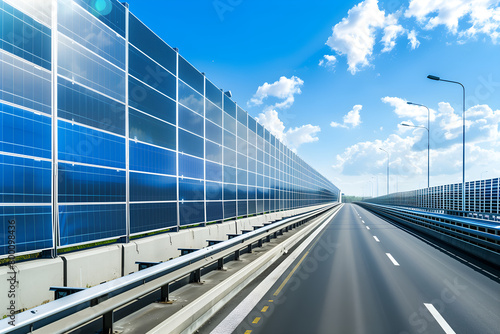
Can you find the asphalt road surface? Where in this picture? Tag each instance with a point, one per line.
(364, 275)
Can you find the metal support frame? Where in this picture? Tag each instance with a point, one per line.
(107, 322)
(165, 293)
(145, 265)
(195, 276)
(63, 291)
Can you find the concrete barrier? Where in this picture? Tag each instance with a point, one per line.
(91, 267)
(33, 281)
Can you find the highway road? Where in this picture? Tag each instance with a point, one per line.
(364, 275)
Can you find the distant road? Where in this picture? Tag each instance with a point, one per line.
(364, 275)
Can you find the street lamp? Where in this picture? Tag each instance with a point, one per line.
(388, 158)
(428, 128)
(436, 78)
(428, 164)
(371, 188)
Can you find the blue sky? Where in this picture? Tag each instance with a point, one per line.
(331, 79)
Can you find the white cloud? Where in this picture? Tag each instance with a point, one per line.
(283, 89)
(300, 135)
(412, 38)
(408, 148)
(392, 30)
(293, 137)
(351, 119)
(482, 15)
(329, 61)
(270, 120)
(354, 36)
(404, 110)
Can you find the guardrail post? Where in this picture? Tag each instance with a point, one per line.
(275, 235)
(220, 264)
(249, 248)
(107, 322)
(260, 243)
(268, 238)
(237, 255)
(195, 276)
(164, 292)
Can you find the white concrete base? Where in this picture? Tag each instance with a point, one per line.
(33, 281)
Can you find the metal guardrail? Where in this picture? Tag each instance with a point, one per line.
(89, 304)
(482, 199)
(482, 234)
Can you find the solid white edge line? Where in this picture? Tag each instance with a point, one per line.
(238, 314)
(376, 239)
(392, 259)
(439, 318)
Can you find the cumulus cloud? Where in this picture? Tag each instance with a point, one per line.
(404, 110)
(354, 36)
(351, 120)
(408, 147)
(329, 62)
(483, 16)
(270, 120)
(413, 41)
(283, 89)
(392, 31)
(293, 137)
(300, 135)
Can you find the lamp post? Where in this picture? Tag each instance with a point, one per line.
(388, 158)
(371, 188)
(428, 163)
(428, 128)
(436, 78)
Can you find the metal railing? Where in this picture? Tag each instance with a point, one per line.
(481, 237)
(89, 304)
(482, 199)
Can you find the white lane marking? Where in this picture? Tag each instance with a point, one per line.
(394, 262)
(368, 227)
(439, 318)
(376, 239)
(363, 221)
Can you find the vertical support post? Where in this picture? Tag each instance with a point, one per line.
(55, 165)
(204, 152)
(260, 243)
(127, 134)
(164, 293)
(195, 276)
(177, 136)
(107, 322)
(220, 264)
(250, 248)
(237, 255)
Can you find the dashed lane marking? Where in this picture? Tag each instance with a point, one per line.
(392, 259)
